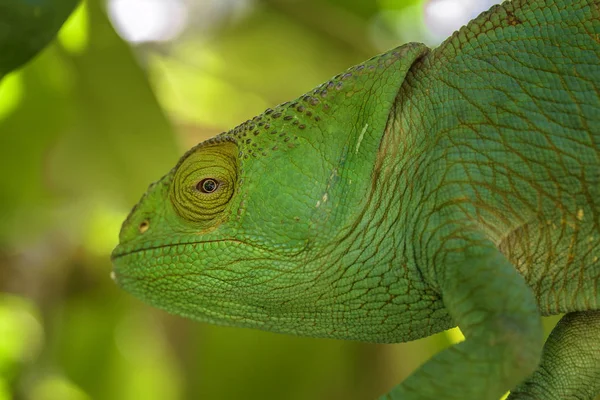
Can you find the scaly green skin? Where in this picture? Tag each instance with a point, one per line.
(417, 191)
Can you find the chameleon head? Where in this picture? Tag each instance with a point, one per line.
(246, 229)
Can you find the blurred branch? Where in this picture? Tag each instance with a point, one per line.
(337, 23)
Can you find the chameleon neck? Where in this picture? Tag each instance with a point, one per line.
(372, 261)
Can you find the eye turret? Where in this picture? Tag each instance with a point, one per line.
(205, 182)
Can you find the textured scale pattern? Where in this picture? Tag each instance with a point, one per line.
(417, 191)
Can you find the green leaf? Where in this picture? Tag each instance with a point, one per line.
(27, 26)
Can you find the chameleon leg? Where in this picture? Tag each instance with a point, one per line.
(497, 312)
(570, 366)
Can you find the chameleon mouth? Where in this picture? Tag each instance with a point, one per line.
(124, 250)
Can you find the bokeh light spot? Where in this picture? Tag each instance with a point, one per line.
(11, 93)
(57, 387)
(103, 230)
(443, 17)
(148, 20)
(74, 33)
(455, 335)
(142, 343)
(20, 330)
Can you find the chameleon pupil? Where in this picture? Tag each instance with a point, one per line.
(208, 185)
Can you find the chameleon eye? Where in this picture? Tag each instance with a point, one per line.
(205, 182)
(207, 185)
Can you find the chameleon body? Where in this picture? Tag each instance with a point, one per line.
(420, 190)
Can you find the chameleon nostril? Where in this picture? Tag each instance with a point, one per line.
(144, 226)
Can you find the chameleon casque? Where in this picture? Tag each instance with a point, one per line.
(418, 191)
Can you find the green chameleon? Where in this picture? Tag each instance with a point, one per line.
(418, 191)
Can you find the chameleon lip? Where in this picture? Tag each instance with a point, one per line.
(122, 252)
(125, 250)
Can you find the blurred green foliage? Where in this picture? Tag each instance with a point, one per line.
(84, 128)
